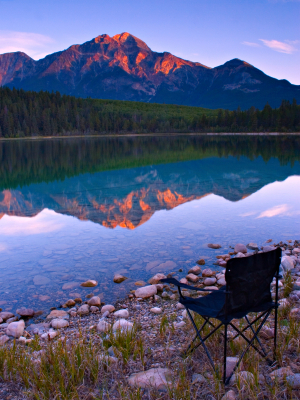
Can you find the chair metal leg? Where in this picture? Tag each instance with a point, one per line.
(257, 338)
(250, 344)
(275, 334)
(225, 353)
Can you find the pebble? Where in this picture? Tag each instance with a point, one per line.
(198, 378)
(6, 315)
(281, 373)
(94, 309)
(89, 283)
(252, 246)
(118, 278)
(239, 255)
(59, 323)
(230, 395)
(242, 377)
(70, 303)
(195, 270)
(207, 273)
(3, 339)
(214, 246)
(184, 281)
(193, 278)
(180, 306)
(159, 378)
(16, 329)
(287, 263)
(240, 248)
(221, 282)
(94, 301)
(58, 314)
(293, 381)
(122, 314)
(108, 307)
(268, 248)
(156, 310)
(156, 279)
(209, 281)
(122, 324)
(83, 310)
(49, 335)
(179, 324)
(201, 261)
(146, 291)
(25, 312)
(103, 326)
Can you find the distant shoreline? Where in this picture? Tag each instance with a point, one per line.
(111, 135)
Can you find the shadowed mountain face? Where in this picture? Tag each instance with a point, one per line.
(123, 67)
(129, 197)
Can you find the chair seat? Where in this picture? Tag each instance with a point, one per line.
(212, 306)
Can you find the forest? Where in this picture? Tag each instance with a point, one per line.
(29, 114)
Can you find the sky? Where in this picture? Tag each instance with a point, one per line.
(265, 33)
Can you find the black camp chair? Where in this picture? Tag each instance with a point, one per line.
(247, 290)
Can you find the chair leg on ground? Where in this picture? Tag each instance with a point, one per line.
(225, 353)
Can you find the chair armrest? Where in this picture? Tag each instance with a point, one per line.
(183, 285)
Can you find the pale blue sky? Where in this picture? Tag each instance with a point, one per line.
(265, 33)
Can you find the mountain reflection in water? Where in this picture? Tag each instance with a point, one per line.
(129, 197)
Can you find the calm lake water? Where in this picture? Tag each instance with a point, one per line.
(78, 209)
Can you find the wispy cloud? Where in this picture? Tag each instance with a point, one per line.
(282, 47)
(251, 44)
(272, 212)
(33, 44)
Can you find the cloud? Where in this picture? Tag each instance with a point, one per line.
(282, 47)
(251, 44)
(33, 44)
(272, 212)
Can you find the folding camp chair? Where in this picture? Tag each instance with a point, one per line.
(247, 290)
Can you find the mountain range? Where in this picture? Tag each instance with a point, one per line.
(123, 67)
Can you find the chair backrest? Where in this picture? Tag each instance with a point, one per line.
(248, 280)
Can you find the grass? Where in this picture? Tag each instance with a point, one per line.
(80, 368)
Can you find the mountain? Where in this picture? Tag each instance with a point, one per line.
(123, 67)
(130, 197)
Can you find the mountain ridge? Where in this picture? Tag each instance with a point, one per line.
(123, 67)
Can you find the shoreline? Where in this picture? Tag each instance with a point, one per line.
(155, 330)
(118, 135)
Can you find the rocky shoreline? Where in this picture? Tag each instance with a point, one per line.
(138, 342)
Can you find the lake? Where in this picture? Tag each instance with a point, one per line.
(74, 209)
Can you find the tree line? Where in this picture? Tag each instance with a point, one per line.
(27, 113)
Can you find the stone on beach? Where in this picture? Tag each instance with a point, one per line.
(70, 303)
(59, 323)
(49, 335)
(287, 263)
(108, 307)
(6, 315)
(25, 312)
(83, 310)
(239, 255)
(58, 314)
(221, 281)
(89, 283)
(159, 378)
(3, 339)
(193, 278)
(293, 381)
(122, 324)
(240, 248)
(122, 314)
(195, 270)
(268, 248)
(184, 281)
(156, 310)
(209, 281)
(40, 280)
(146, 291)
(94, 301)
(156, 279)
(207, 273)
(200, 262)
(280, 374)
(252, 246)
(16, 329)
(103, 326)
